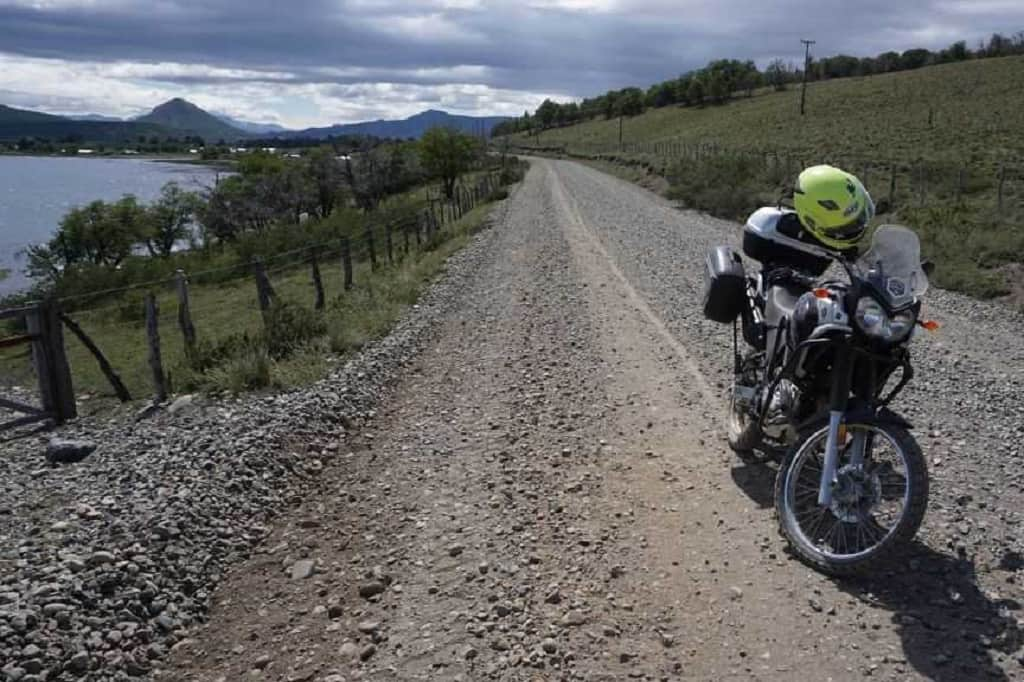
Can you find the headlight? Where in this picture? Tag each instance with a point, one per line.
(876, 323)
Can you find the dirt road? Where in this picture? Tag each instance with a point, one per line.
(548, 495)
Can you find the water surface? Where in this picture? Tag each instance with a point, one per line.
(36, 191)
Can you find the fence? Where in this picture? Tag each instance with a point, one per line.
(909, 182)
(378, 244)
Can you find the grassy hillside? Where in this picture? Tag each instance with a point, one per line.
(977, 116)
(940, 147)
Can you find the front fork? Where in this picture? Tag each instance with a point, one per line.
(838, 402)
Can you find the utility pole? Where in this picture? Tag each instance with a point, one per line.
(807, 67)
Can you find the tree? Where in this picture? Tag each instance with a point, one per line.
(695, 91)
(547, 113)
(445, 154)
(915, 59)
(168, 219)
(777, 75)
(629, 102)
(325, 173)
(96, 234)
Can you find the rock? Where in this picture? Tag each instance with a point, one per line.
(735, 593)
(180, 404)
(78, 664)
(303, 568)
(469, 653)
(262, 661)
(66, 451)
(549, 645)
(456, 549)
(368, 627)
(367, 652)
(371, 589)
(100, 558)
(348, 650)
(573, 617)
(335, 611)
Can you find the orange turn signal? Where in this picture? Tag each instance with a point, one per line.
(821, 293)
(930, 325)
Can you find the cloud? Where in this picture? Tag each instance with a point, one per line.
(307, 62)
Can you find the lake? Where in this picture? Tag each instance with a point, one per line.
(36, 192)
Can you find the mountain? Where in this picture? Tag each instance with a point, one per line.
(10, 115)
(18, 123)
(413, 127)
(250, 127)
(95, 117)
(185, 117)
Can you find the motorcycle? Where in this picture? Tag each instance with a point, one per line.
(811, 390)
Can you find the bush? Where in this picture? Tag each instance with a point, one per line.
(288, 326)
(246, 371)
(725, 186)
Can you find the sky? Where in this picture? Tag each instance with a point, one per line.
(303, 63)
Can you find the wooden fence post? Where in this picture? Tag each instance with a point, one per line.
(35, 325)
(318, 283)
(388, 243)
(188, 330)
(115, 381)
(52, 370)
(1002, 179)
(346, 261)
(264, 292)
(922, 178)
(155, 361)
(892, 185)
(368, 236)
(64, 390)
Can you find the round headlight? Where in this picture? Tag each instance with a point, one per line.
(874, 321)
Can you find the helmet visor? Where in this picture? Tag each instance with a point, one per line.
(851, 231)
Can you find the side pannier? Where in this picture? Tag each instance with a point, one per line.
(725, 286)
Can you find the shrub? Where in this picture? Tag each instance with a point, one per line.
(246, 371)
(288, 326)
(725, 186)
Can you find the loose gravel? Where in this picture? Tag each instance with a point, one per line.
(104, 563)
(528, 480)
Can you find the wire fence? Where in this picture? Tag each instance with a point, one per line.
(144, 331)
(900, 181)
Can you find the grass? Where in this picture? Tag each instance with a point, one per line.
(932, 124)
(977, 117)
(237, 354)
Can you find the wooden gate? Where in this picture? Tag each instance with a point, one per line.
(43, 331)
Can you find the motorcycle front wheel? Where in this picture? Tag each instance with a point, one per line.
(878, 502)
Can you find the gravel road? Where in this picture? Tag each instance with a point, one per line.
(528, 481)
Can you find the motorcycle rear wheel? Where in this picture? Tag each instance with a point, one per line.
(847, 538)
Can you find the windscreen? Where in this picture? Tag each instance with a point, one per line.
(893, 265)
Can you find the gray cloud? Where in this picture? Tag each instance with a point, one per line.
(562, 47)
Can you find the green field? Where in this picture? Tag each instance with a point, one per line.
(941, 148)
(976, 107)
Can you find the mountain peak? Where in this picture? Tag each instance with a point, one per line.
(180, 114)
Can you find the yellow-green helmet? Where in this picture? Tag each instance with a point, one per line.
(833, 206)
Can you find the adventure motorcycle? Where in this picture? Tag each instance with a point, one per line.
(852, 485)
